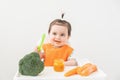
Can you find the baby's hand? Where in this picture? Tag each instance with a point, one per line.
(36, 49)
(41, 54)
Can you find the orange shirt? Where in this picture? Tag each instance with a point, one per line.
(52, 53)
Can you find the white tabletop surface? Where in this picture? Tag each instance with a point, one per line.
(49, 74)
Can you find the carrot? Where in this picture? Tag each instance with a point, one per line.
(86, 70)
(71, 72)
(79, 70)
(85, 66)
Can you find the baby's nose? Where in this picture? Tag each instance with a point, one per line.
(57, 37)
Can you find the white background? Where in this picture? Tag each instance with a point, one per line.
(95, 31)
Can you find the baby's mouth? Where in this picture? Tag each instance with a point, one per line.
(57, 41)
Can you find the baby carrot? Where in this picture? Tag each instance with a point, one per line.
(87, 71)
(71, 72)
(79, 70)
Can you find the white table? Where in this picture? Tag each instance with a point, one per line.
(49, 74)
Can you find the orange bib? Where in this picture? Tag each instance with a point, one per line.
(52, 53)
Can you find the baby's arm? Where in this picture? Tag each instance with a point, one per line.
(41, 54)
(71, 60)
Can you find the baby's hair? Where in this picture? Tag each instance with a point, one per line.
(61, 23)
(62, 15)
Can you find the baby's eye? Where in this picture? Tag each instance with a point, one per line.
(62, 34)
(54, 33)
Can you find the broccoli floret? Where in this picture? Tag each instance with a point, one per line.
(31, 64)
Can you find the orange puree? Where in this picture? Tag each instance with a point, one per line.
(58, 65)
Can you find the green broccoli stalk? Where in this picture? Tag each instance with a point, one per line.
(31, 64)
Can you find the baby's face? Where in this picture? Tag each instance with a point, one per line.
(58, 35)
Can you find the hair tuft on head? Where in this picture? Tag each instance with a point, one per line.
(62, 15)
